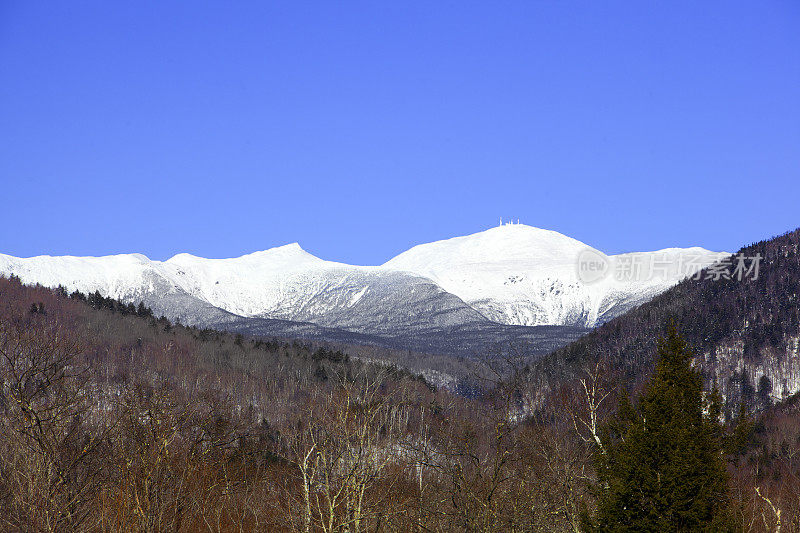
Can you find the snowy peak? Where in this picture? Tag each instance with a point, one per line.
(507, 244)
(518, 274)
(127, 277)
(286, 256)
(513, 274)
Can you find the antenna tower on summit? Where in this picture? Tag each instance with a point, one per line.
(509, 222)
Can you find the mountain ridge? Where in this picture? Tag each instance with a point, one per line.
(513, 275)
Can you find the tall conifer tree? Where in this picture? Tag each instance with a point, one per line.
(663, 468)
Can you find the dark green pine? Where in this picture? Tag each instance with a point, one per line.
(663, 469)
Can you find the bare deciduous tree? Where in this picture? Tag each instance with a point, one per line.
(50, 471)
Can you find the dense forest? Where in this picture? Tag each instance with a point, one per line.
(115, 420)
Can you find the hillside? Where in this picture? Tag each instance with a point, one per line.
(745, 333)
(114, 420)
(138, 424)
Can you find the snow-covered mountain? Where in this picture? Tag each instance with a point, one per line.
(285, 283)
(518, 274)
(288, 283)
(512, 275)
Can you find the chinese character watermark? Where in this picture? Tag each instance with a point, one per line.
(593, 266)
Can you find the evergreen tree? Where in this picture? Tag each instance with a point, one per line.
(662, 468)
(61, 291)
(143, 311)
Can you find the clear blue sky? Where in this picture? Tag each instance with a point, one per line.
(360, 129)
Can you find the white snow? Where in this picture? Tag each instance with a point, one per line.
(513, 274)
(518, 274)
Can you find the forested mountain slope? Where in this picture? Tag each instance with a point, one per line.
(114, 420)
(744, 332)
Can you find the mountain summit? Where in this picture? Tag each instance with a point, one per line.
(518, 274)
(506, 245)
